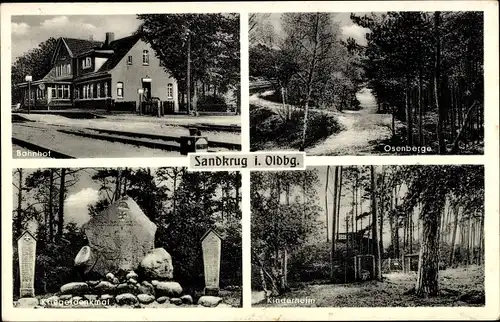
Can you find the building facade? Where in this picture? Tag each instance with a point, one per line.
(102, 75)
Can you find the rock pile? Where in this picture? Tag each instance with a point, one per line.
(150, 286)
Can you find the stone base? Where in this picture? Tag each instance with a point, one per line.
(211, 291)
(27, 292)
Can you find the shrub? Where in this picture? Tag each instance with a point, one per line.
(212, 104)
(267, 127)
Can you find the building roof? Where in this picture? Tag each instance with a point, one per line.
(78, 46)
(120, 48)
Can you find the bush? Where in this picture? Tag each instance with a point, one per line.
(211, 104)
(269, 128)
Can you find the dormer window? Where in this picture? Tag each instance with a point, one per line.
(145, 57)
(129, 60)
(87, 62)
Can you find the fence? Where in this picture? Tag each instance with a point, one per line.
(390, 265)
(364, 267)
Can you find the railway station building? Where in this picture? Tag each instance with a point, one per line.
(112, 75)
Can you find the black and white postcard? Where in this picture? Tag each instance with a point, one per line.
(222, 161)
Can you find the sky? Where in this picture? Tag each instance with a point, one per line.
(347, 27)
(29, 31)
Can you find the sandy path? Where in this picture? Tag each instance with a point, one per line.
(361, 128)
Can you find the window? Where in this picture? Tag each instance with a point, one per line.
(170, 91)
(106, 89)
(87, 62)
(66, 91)
(91, 90)
(145, 57)
(85, 92)
(76, 93)
(119, 89)
(129, 60)
(53, 92)
(59, 91)
(68, 69)
(98, 90)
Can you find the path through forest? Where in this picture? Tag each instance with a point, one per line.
(361, 129)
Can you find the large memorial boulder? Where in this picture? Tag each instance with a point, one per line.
(157, 265)
(119, 238)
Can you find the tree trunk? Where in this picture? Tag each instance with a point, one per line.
(334, 215)
(309, 81)
(428, 264)
(376, 245)
(51, 205)
(454, 236)
(60, 217)
(326, 202)
(409, 122)
(19, 219)
(396, 230)
(338, 200)
(188, 74)
(437, 79)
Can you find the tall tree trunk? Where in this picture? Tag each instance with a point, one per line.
(396, 230)
(50, 211)
(326, 203)
(376, 245)
(310, 75)
(19, 219)
(339, 195)
(454, 235)
(334, 216)
(188, 74)
(60, 217)
(437, 80)
(409, 121)
(428, 264)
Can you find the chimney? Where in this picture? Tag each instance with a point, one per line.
(110, 36)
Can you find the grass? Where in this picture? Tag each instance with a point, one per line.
(462, 286)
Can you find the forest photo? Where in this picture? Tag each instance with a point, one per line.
(126, 237)
(368, 236)
(384, 83)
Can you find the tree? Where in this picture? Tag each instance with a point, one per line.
(36, 62)
(213, 41)
(431, 185)
(430, 62)
(376, 245)
(310, 38)
(281, 223)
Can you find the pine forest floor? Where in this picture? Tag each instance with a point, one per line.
(463, 286)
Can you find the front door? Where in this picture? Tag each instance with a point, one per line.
(147, 89)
